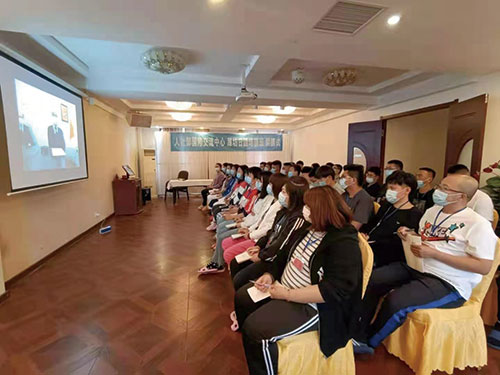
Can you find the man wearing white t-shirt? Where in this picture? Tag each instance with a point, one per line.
(480, 202)
(458, 247)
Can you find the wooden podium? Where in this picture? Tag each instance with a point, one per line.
(127, 196)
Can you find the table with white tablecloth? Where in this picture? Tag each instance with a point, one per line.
(173, 185)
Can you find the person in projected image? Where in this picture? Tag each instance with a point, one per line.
(27, 137)
(55, 134)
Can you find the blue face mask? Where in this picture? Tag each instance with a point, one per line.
(248, 180)
(420, 183)
(321, 183)
(238, 176)
(342, 183)
(258, 185)
(440, 198)
(266, 169)
(391, 196)
(273, 170)
(231, 172)
(224, 170)
(388, 172)
(282, 199)
(290, 174)
(269, 189)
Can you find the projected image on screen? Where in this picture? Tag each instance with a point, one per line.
(48, 129)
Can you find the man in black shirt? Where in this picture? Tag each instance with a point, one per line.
(372, 185)
(423, 197)
(396, 211)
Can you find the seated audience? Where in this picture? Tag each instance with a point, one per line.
(480, 202)
(266, 248)
(227, 186)
(251, 236)
(316, 280)
(245, 209)
(396, 211)
(358, 200)
(276, 166)
(300, 163)
(457, 249)
(423, 197)
(372, 181)
(215, 185)
(391, 167)
(294, 170)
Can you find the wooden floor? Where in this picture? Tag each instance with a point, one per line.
(131, 302)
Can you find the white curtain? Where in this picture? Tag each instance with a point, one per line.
(201, 164)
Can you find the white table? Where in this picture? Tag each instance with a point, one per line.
(176, 184)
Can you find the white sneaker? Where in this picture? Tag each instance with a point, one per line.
(212, 226)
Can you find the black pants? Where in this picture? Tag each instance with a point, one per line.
(246, 271)
(204, 195)
(266, 322)
(410, 290)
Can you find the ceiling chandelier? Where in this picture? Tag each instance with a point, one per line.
(263, 119)
(179, 106)
(340, 77)
(163, 60)
(181, 116)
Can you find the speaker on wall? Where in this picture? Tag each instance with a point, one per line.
(139, 120)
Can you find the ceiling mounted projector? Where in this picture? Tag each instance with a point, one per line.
(245, 95)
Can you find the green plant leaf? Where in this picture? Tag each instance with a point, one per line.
(493, 181)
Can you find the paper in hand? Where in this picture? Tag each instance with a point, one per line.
(413, 261)
(231, 226)
(243, 257)
(256, 295)
(236, 236)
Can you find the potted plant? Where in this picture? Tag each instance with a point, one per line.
(492, 187)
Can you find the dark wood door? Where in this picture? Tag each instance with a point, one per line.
(369, 138)
(467, 122)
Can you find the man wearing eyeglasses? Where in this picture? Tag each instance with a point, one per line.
(457, 248)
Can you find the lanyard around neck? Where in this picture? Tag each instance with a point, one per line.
(386, 216)
(434, 226)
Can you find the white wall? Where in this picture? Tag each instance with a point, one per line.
(327, 141)
(34, 224)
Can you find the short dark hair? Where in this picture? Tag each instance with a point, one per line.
(300, 162)
(325, 171)
(306, 170)
(397, 162)
(356, 171)
(265, 176)
(218, 165)
(376, 170)
(430, 170)
(277, 162)
(315, 165)
(296, 187)
(458, 168)
(256, 171)
(403, 178)
(297, 168)
(330, 164)
(225, 164)
(339, 166)
(287, 164)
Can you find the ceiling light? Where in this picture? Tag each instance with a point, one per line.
(266, 119)
(181, 116)
(216, 2)
(340, 77)
(283, 110)
(179, 106)
(163, 60)
(393, 20)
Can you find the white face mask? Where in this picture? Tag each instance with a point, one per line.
(306, 213)
(369, 180)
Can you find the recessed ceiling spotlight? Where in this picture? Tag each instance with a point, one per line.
(283, 110)
(179, 106)
(181, 116)
(216, 2)
(266, 119)
(393, 20)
